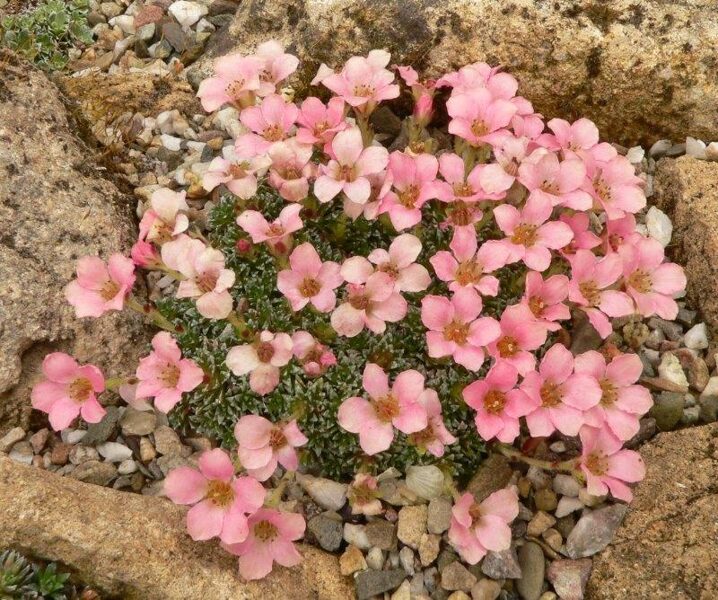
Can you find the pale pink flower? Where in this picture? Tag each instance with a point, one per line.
(264, 445)
(573, 138)
(616, 187)
(271, 536)
(363, 495)
(477, 528)
(480, 75)
(206, 280)
(583, 237)
(309, 280)
(520, 335)
(607, 466)
(239, 175)
(320, 122)
(277, 66)
(622, 402)
(278, 232)
(620, 232)
(350, 167)
(455, 329)
(236, 82)
(291, 169)
(379, 185)
(423, 93)
(369, 305)
(413, 184)
(589, 287)
(270, 122)
(530, 235)
(467, 267)
(314, 357)
(498, 403)
(221, 501)
(145, 255)
(392, 407)
(164, 375)
(526, 122)
(100, 288)
(543, 175)
(435, 435)
(651, 282)
(165, 220)
(479, 117)
(261, 359)
(545, 299)
(472, 187)
(562, 395)
(68, 390)
(510, 153)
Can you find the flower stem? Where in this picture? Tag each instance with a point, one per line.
(276, 496)
(567, 466)
(157, 318)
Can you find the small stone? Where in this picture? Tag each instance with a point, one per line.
(712, 151)
(150, 13)
(147, 450)
(569, 577)
(538, 478)
(114, 452)
(696, 337)
(589, 500)
(565, 525)
(456, 576)
(161, 49)
(545, 499)
(80, 454)
(635, 155)
(381, 534)
(676, 150)
(594, 531)
(695, 148)
(412, 525)
(97, 433)
(60, 454)
(673, 331)
(127, 467)
(708, 409)
(351, 561)
(548, 596)
(403, 592)
(540, 523)
(501, 565)
(486, 589)
(691, 415)
(406, 558)
(553, 538)
(356, 534)
(173, 34)
(11, 438)
(125, 22)
(371, 583)
(327, 530)
(138, 422)
(22, 452)
(659, 226)
(426, 481)
(667, 410)
(170, 462)
(671, 370)
(93, 471)
(110, 9)
(199, 444)
(533, 567)
(493, 475)
(328, 494)
(375, 559)
(659, 148)
(439, 515)
(459, 595)
(39, 439)
(187, 13)
(566, 485)
(167, 441)
(429, 547)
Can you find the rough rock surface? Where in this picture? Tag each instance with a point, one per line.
(666, 547)
(54, 207)
(687, 190)
(136, 547)
(641, 70)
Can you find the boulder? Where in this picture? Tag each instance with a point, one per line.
(54, 207)
(666, 546)
(641, 70)
(687, 190)
(136, 547)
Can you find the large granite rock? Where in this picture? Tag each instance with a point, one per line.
(54, 207)
(687, 189)
(666, 548)
(640, 70)
(136, 547)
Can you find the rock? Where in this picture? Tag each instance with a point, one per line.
(594, 531)
(94, 471)
(327, 530)
(22, 453)
(187, 13)
(375, 558)
(97, 433)
(127, 467)
(11, 438)
(60, 454)
(671, 370)
(566, 485)
(356, 534)
(456, 576)
(429, 547)
(545, 499)
(403, 592)
(110, 9)
(697, 337)
(493, 475)
(568, 505)
(412, 525)
(177, 38)
(708, 408)
(667, 410)
(532, 566)
(569, 577)
(438, 515)
(501, 565)
(138, 422)
(381, 534)
(54, 207)
(406, 559)
(370, 583)
(80, 454)
(38, 440)
(149, 14)
(147, 450)
(659, 148)
(328, 494)
(540, 523)
(114, 452)
(351, 561)
(167, 441)
(88, 527)
(425, 481)
(553, 538)
(486, 589)
(659, 225)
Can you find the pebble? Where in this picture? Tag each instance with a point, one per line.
(659, 226)
(371, 583)
(127, 467)
(501, 565)
(93, 471)
(493, 474)
(138, 422)
(328, 494)
(456, 576)
(149, 13)
(533, 567)
(382, 534)
(696, 337)
(356, 534)
(712, 151)
(429, 547)
(351, 561)
(98, 433)
(167, 441)
(375, 558)
(486, 589)
(540, 523)
(695, 148)
(671, 370)
(567, 505)
(590, 500)
(553, 538)
(659, 148)
(566, 485)
(60, 454)
(327, 530)
(635, 155)
(187, 13)
(406, 559)
(22, 452)
(146, 32)
(114, 452)
(171, 143)
(147, 450)
(125, 22)
(412, 525)
(594, 531)
(426, 481)
(80, 454)
(569, 577)
(403, 592)
(170, 462)
(39, 439)
(667, 410)
(459, 595)
(11, 438)
(708, 408)
(110, 9)
(545, 499)
(438, 515)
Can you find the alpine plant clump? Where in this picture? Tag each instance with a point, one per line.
(352, 307)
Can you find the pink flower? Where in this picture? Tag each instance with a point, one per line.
(270, 122)
(221, 500)
(526, 122)
(529, 237)
(423, 94)
(363, 495)
(477, 528)
(583, 237)
(369, 305)
(320, 122)
(164, 220)
(588, 287)
(575, 138)
(100, 288)
(261, 359)
(237, 174)
(236, 82)
(413, 184)
(350, 167)
(498, 404)
(467, 268)
(561, 396)
(651, 282)
(206, 280)
(510, 153)
(480, 75)
(620, 232)
(616, 187)
(276, 233)
(607, 466)
(68, 390)
(475, 185)
(397, 406)
(291, 169)
(543, 175)
(455, 329)
(271, 533)
(264, 445)
(479, 117)
(314, 357)
(277, 66)
(435, 436)
(145, 255)
(520, 335)
(309, 280)
(545, 299)
(622, 403)
(363, 82)
(164, 375)
(379, 185)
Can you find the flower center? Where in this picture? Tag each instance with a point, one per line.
(320, 127)
(235, 89)
(273, 133)
(290, 172)
(80, 389)
(409, 196)
(265, 76)
(277, 439)
(238, 170)
(589, 290)
(364, 90)
(525, 235)
(359, 301)
(423, 437)
(468, 272)
(362, 493)
(220, 493)
(170, 375)
(610, 393)
(640, 281)
(550, 187)
(386, 408)
(265, 352)
(507, 346)
(462, 214)
(275, 230)
(475, 511)
(603, 190)
(463, 189)
(456, 332)
(109, 290)
(309, 287)
(537, 305)
(511, 167)
(597, 463)
(494, 402)
(551, 394)
(389, 269)
(206, 282)
(479, 128)
(160, 232)
(347, 173)
(265, 531)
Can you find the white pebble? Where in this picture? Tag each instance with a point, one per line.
(712, 388)
(114, 452)
(125, 22)
(695, 148)
(127, 467)
(187, 13)
(170, 142)
(635, 155)
(566, 485)
(712, 151)
(659, 226)
(671, 369)
(696, 337)
(567, 505)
